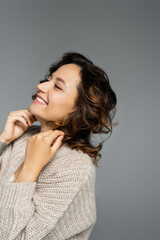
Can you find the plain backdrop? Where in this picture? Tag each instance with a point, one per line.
(122, 37)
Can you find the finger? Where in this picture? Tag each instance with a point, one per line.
(20, 124)
(31, 116)
(20, 119)
(24, 115)
(57, 144)
(27, 118)
(52, 135)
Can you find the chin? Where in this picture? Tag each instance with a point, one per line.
(32, 110)
(35, 111)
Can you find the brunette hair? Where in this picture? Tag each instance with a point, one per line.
(95, 106)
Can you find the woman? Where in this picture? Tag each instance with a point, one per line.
(48, 172)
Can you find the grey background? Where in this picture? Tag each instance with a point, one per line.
(122, 37)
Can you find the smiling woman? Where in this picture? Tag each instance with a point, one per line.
(48, 172)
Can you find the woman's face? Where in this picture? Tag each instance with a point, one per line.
(60, 96)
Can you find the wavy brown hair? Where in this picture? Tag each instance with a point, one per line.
(95, 106)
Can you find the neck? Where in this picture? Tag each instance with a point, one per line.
(48, 126)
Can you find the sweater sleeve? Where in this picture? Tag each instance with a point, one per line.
(31, 213)
(2, 146)
(5, 151)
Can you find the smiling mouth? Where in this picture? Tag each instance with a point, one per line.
(39, 101)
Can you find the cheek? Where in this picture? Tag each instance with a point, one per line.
(57, 99)
(61, 101)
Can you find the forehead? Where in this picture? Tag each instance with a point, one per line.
(70, 73)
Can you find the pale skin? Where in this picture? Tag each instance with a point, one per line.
(42, 147)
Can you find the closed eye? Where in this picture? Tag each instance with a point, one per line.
(57, 87)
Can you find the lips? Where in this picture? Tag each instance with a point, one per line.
(42, 99)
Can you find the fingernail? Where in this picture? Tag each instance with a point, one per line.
(61, 137)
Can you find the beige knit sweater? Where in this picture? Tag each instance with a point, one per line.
(61, 203)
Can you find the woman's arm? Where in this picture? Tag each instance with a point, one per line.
(32, 213)
(27, 175)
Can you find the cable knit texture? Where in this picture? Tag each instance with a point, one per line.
(61, 203)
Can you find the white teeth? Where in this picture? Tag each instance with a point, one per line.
(40, 100)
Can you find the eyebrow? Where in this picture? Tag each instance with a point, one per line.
(61, 80)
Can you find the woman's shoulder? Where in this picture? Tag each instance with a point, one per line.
(76, 159)
(70, 164)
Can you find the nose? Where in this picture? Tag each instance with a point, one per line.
(43, 87)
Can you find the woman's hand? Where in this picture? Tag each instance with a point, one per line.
(40, 150)
(16, 124)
